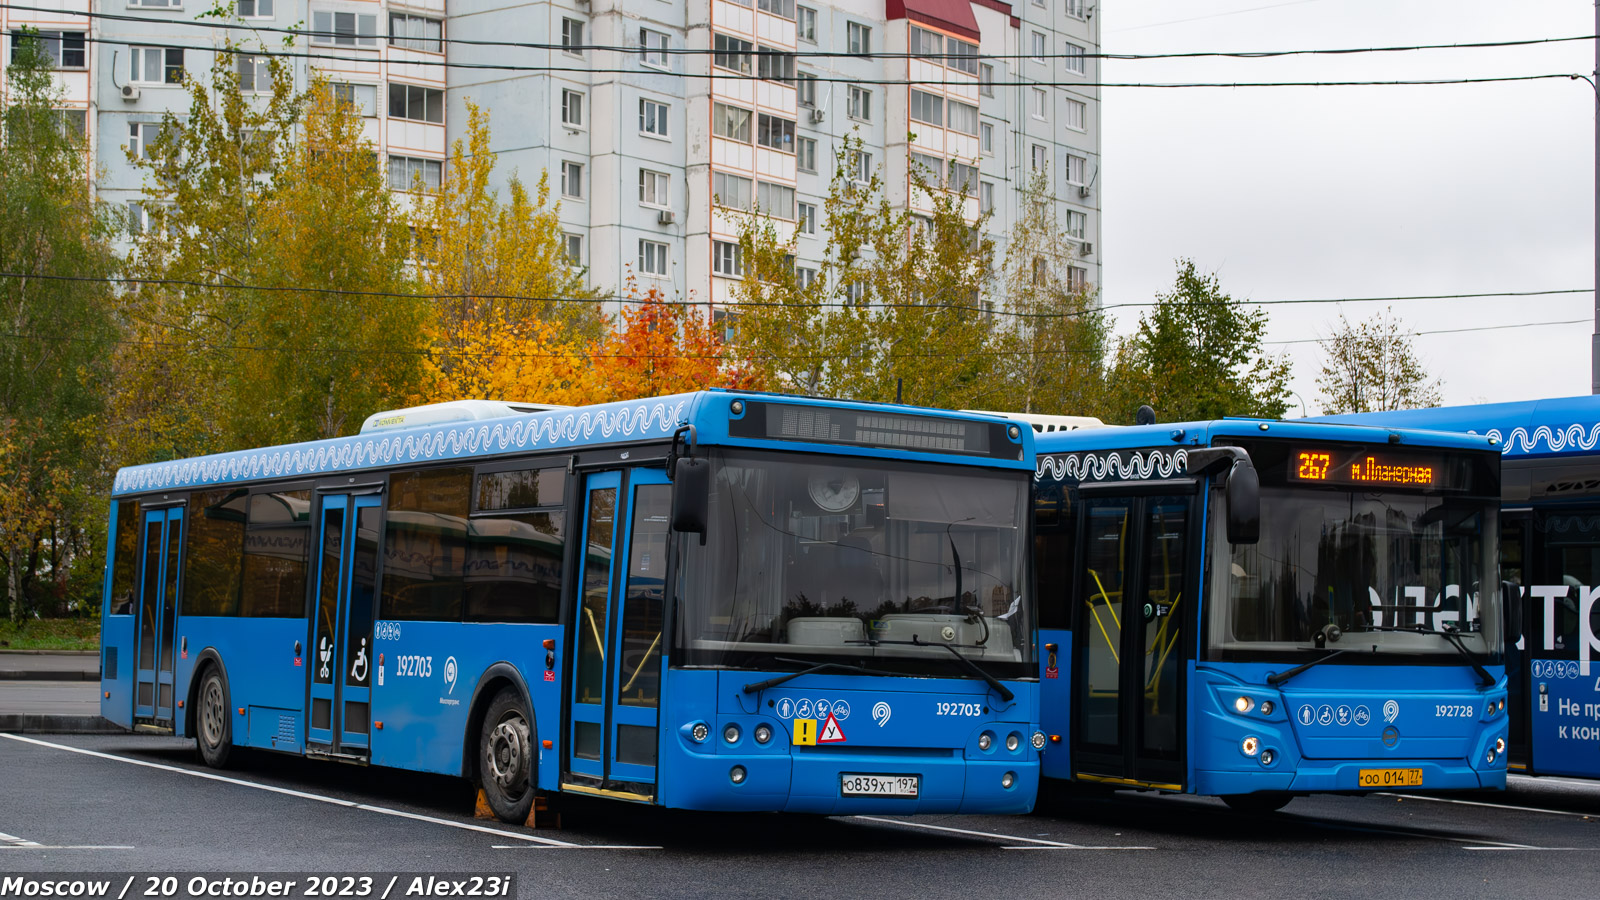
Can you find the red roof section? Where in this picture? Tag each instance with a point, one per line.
(950, 16)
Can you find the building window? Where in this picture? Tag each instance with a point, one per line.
(652, 258)
(860, 166)
(254, 74)
(774, 65)
(64, 49)
(1076, 60)
(804, 276)
(1077, 278)
(74, 123)
(927, 44)
(405, 170)
(806, 154)
(572, 180)
(963, 118)
(963, 178)
(155, 65)
(419, 104)
(1076, 113)
(807, 215)
(986, 79)
(855, 292)
(1040, 158)
(775, 200)
(142, 138)
(930, 168)
(775, 132)
(157, 4)
(655, 48)
(783, 8)
(653, 187)
(986, 138)
(136, 218)
(1075, 169)
(860, 103)
(653, 118)
(805, 22)
(805, 93)
(926, 107)
(416, 33)
(963, 57)
(362, 98)
(727, 259)
(572, 36)
(255, 9)
(572, 108)
(1077, 224)
(731, 53)
(1038, 46)
(344, 29)
(860, 39)
(1038, 106)
(1075, 8)
(574, 245)
(731, 191)
(730, 122)
(986, 196)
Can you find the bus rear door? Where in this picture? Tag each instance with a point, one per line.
(342, 661)
(158, 599)
(616, 684)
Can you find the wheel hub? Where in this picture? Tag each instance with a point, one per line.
(211, 720)
(509, 753)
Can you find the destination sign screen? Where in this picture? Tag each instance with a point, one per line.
(867, 428)
(1368, 467)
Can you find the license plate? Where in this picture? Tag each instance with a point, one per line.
(879, 785)
(1388, 778)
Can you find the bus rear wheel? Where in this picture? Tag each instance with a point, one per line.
(1259, 802)
(213, 733)
(507, 759)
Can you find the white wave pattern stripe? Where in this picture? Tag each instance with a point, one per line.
(1555, 439)
(1096, 467)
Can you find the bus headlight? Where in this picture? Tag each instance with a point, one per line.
(1038, 740)
(1244, 705)
(731, 733)
(699, 732)
(763, 733)
(1267, 756)
(1008, 779)
(1013, 741)
(1266, 707)
(985, 741)
(1250, 746)
(1490, 758)
(1499, 745)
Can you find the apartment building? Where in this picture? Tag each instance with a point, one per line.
(654, 152)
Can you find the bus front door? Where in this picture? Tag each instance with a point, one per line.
(616, 685)
(342, 660)
(1129, 683)
(158, 600)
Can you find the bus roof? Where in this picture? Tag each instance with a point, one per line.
(1201, 434)
(626, 422)
(1525, 428)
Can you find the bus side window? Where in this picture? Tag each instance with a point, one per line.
(125, 566)
(1055, 540)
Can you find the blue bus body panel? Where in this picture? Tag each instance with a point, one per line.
(258, 659)
(1055, 703)
(117, 647)
(1203, 434)
(1528, 428)
(890, 726)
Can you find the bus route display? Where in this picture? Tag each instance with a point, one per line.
(1367, 467)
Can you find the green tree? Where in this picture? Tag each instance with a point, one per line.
(55, 301)
(1199, 354)
(1371, 366)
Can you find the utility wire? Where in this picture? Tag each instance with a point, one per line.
(1447, 330)
(808, 54)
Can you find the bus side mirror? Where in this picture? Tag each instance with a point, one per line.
(691, 495)
(1244, 504)
(1511, 597)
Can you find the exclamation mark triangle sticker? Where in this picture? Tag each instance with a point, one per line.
(831, 732)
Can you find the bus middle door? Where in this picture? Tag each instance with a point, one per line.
(342, 658)
(158, 601)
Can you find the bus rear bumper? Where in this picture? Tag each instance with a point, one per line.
(1345, 776)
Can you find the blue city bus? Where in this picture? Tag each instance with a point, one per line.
(1262, 609)
(1550, 561)
(716, 601)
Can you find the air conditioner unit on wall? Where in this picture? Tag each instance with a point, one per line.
(1083, 191)
(130, 93)
(665, 217)
(817, 115)
(1088, 248)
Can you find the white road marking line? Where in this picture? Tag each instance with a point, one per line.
(71, 847)
(11, 840)
(1532, 809)
(1519, 848)
(1038, 843)
(304, 795)
(575, 847)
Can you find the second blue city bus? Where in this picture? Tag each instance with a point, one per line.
(716, 601)
(1257, 610)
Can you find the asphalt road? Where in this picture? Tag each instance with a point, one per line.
(133, 803)
(62, 698)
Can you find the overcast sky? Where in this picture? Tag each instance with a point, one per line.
(1290, 193)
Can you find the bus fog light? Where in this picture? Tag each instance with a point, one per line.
(1499, 745)
(1244, 704)
(1267, 756)
(1008, 779)
(1038, 740)
(985, 741)
(736, 774)
(731, 733)
(1490, 758)
(699, 732)
(1266, 707)
(1013, 741)
(763, 733)
(1251, 746)
(1502, 703)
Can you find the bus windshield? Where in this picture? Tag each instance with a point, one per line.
(876, 564)
(1337, 570)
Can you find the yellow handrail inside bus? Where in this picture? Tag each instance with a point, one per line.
(640, 667)
(1097, 620)
(598, 643)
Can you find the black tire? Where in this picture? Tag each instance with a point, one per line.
(508, 762)
(1258, 803)
(213, 727)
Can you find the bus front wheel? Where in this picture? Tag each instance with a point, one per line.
(213, 734)
(506, 757)
(1259, 802)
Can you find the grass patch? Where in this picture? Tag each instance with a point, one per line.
(50, 634)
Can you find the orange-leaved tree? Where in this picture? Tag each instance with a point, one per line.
(666, 347)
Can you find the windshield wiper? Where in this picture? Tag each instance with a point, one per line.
(1452, 636)
(974, 668)
(1278, 678)
(774, 682)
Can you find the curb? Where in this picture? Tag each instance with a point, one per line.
(33, 723)
(4, 653)
(48, 675)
